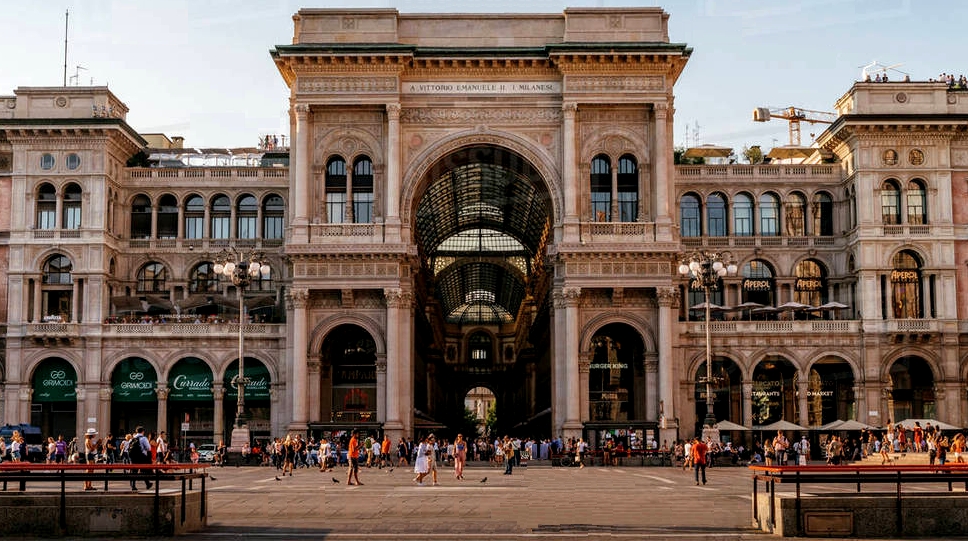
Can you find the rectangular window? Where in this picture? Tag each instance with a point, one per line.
(363, 207)
(247, 227)
(628, 206)
(167, 225)
(272, 228)
(72, 218)
(220, 227)
(194, 227)
(768, 222)
(601, 206)
(336, 207)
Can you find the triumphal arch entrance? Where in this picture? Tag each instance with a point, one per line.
(482, 202)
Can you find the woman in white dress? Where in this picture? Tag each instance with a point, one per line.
(422, 464)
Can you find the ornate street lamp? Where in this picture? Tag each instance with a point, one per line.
(705, 269)
(242, 269)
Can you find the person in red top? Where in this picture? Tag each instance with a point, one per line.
(699, 450)
(353, 454)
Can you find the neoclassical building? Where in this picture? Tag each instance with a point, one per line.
(476, 201)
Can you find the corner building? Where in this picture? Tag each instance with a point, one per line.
(480, 201)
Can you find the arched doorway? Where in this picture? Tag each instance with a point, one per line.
(727, 387)
(482, 225)
(256, 397)
(912, 389)
(350, 399)
(190, 400)
(53, 406)
(134, 400)
(830, 392)
(774, 391)
(617, 389)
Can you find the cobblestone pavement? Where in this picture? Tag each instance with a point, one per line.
(536, 502)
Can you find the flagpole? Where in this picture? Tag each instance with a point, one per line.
(67, 14)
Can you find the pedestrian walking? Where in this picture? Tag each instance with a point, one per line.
(353, 456)
(699, 451)
(422, 463)
(460, 456)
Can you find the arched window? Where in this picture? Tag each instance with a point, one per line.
(72, 207)
(46, 207)
(363, 191)
(247, 214)
(220, 217)
(716, 215)
(203, 279)
(336, 190)
(628, 189)
(690, 216)
(151, 278)
(273, 212)
(906, 286)
(890, 203)
(796, 211)
(758, 283)
(769, 215)
(58, 290)
(811, 285)
(742, 215)
(601, 189)
(823, 219)
(480, 353)
(194, 217)
(917, 204)
(141, 217)
(167, 217)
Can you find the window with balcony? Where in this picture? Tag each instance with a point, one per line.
(46, 207)
(796, 211)
(890, 203)
(194, 217)
(601, 189)
(716, 215)
(363, 191)
(690, 216)
(628, 189)
(336, 190)
(151, 278)
(57, 290)
(221, 216)
(72, 207)
(906, 286)
(823, 219)
(273, 212)
(167, 217)
(917, 205)
(203, 279)
(742, 215)
(141, 217)
(769, 215)
(247, 215)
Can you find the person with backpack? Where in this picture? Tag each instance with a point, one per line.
(139, 452)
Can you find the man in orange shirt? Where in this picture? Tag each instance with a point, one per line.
(699, 450)
(385, 459)
(353, 454)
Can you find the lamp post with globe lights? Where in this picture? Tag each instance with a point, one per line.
(242, 269)
(706, 269)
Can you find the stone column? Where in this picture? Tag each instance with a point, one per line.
(573, 424)
(104, 410)
(747, 403)
(802, 403)
(584, 368)
(22, 414)
(613, 208)
(313, 366)
(348, 206)
(860, 403)
(569, 175)
(59, 212)
(393, 181)
(300, 340)
(75, 300)
(668, 299)
(181, 221)
(557, 323)
(395, 364)
(532, 384)
(162, 393)
(218, 423)
(38, 299)
(663, 179)
(381, 388)
(651, 365)
(300, 176)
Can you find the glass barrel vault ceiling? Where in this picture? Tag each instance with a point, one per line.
(480, 225)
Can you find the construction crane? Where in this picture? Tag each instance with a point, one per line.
(794, 115)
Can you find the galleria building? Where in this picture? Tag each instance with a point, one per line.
(480, 201)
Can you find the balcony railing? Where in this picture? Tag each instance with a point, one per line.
(823, 173)
(203, 244)
(756, 242)
(345, 233)
(53, 329)
(194, 329)
(907, 230)
(617, 231)
(199, 174)
(819, 326)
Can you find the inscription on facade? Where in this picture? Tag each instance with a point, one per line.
(507, 87)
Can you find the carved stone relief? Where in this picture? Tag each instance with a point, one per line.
(615, 83)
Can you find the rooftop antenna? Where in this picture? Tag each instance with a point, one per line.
(876, 67)
(67, 14)
(76, 78)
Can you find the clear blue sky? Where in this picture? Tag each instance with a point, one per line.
(201, 68)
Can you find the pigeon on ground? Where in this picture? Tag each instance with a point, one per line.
(484, 480)
(335, 481)
(212, 478)
(390, 470)
(277, 478)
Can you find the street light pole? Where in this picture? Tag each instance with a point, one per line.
(707, 268)
(241, 269)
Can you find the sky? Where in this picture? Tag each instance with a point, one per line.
(201, 68)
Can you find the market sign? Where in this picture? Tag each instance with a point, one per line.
(259, 380)
(55, 380)
(190, 379)
(758, 284)
(134, 380)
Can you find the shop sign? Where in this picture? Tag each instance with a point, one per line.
(55, 381)
(810, 284)
(354, 374)
(608, 366)
(258, 374)
(758, 284)
(190, 379)
(134, 380)
(767, 389)
(904, 277)
(696, 285)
